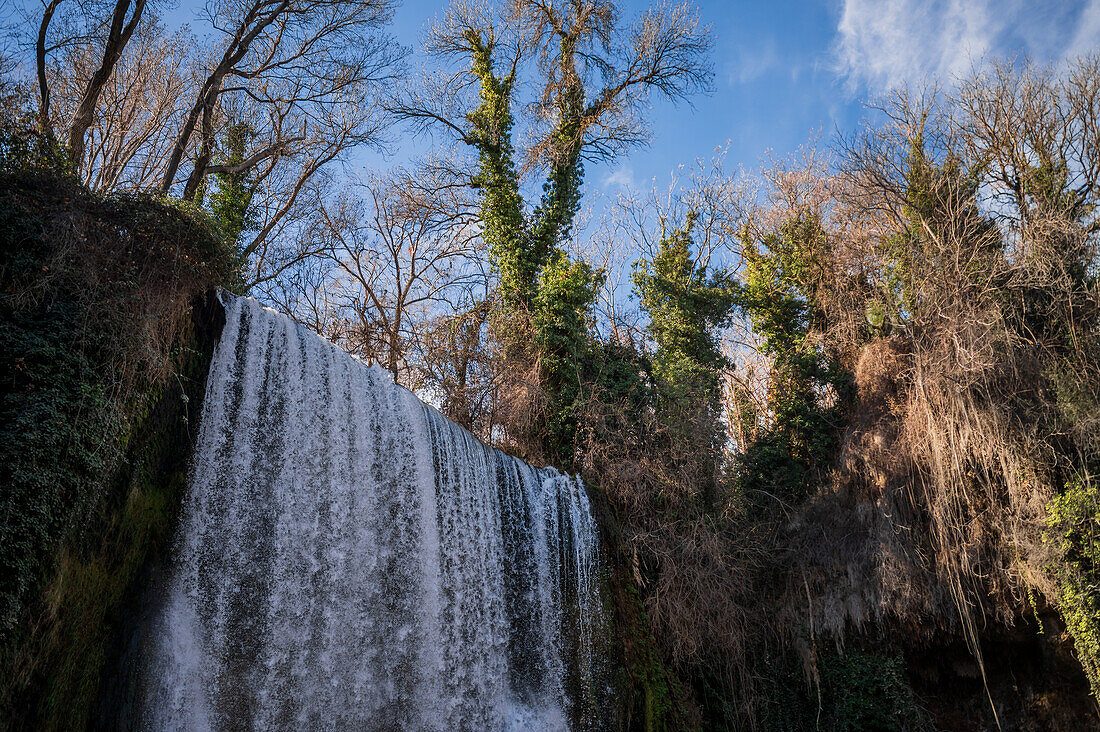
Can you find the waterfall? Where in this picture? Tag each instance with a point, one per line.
(348, 558)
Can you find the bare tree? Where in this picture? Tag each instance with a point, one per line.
(1037, 130)
(400, 255)
(597, 74)
(13, 90)
(303, 74)
(592, 77)
(308, 66)
(127, 143)
(102, 32)
(41, 52)
(305, 77)
(594, 74)
(301, 79)
(124, 20)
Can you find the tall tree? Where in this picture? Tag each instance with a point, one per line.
(152, 110)
(687, 303)
(306, 65)
(231, 200)
(104, 31)
(127, 143)
(125, 18)
(592, 76)
(399, 253)
(806, 388)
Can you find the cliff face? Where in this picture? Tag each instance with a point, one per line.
(151, 483)
(105, 341)
(908, 589)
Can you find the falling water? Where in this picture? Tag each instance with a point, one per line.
(350, 559)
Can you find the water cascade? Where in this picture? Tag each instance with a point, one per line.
(348, 558)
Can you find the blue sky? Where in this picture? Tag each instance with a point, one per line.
(773, 88)
(787, 71)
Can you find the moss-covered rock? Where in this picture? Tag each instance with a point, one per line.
(103, 354)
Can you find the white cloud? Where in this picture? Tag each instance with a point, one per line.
(621, 178)
(886, 43)
(754, 63)
(1087, 37)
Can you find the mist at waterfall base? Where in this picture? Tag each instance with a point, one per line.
(348, 558)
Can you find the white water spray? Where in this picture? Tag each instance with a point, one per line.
(350, 559)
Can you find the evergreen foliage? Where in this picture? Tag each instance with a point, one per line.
(535, 277)
(808, 391)
(857, 690)
(566, 291)
(231, 201)
(59, 443)
(687, 303)
(1073, 530)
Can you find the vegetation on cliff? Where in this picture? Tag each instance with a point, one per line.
(102, 365)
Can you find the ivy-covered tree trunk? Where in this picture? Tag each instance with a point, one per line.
(538, 282)
(686, 305)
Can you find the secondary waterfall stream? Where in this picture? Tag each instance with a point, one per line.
(348, 558)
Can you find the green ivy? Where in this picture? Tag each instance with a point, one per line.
(58, 443)
(93, 443)
(808, 390)
(686, 303)
(536, 278)
(566, 292)
(1073, 531)
(516, 259)
(230, 203)
(855, 691)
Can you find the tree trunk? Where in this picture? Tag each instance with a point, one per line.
(44, 125)
(117, 39)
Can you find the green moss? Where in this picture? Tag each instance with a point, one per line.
(94, 426)
(72, 635)
(58, 440)
(1073, 530)
(652, 695)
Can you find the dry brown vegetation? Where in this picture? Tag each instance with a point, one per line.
(956, 284)
(136, 106)
(968, 219)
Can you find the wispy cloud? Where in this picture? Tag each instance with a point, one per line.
(886, 43)
(621, 178)
(1087, 37)
(753, 63)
